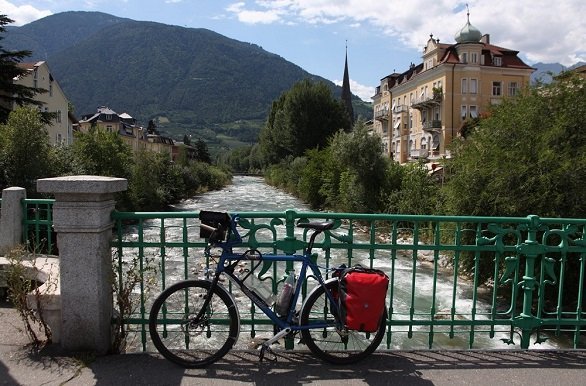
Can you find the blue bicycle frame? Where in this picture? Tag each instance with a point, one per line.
(228, 260)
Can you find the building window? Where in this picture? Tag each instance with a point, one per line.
(513, 88)
(473, 112)
(464, 57)
(497, 61)
(496, 88)
(473, 57)
(464, 86)
(473, 86)
(51, 89)
(464, 112)
(58, 116)
(109, 128)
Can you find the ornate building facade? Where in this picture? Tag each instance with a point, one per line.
(418, 112)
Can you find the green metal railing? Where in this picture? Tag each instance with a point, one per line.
(533, 269)
(37, 227)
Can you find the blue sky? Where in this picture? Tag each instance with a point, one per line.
(383, 35)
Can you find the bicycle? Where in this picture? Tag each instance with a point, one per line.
(194, 323)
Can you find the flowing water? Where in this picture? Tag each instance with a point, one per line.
(247, 194)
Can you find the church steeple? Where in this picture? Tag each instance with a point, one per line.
(346, 94)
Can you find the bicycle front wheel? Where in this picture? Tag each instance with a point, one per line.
(329, 343)
(185, 340)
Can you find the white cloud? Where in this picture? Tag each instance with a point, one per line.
(254, 17)
(22, 14)
(541, 30)
(364, 92)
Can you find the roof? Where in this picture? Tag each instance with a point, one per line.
(509, 59)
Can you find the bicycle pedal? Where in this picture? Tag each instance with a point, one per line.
(263, 351)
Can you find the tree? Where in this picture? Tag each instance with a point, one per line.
(25, 153)
(302, 118)
(11, 93)
(203, 154)
(417, 193)
(101, 153)
(363, 169)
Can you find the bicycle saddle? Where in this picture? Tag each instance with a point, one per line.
(317, 225)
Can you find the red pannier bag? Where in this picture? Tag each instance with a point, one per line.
(362, 295)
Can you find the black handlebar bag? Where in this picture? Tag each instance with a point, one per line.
(362, 294)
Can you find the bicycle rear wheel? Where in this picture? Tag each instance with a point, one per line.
(186, 341)
(328, 343)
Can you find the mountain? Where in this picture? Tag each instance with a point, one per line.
(190, 80)
(544, 71)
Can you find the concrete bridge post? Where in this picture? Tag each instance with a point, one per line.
(82, 220)
(11, 218)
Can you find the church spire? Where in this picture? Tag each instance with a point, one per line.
(346, 93)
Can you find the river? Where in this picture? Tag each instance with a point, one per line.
(253, 194)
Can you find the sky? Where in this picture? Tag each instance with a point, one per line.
(380, 36)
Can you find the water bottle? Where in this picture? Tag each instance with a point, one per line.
(284, 301)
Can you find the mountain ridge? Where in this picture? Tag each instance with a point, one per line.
(193, 78)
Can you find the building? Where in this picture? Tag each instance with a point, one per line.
(54, 101)
(138, 138)
(418, 112)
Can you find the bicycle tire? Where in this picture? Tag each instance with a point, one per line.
(327, 343)
(193, 345)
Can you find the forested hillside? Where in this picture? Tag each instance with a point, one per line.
(189, 80)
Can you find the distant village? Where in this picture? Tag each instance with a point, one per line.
(62, 128)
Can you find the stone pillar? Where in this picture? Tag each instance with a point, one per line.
(11, 218)
(82, 220)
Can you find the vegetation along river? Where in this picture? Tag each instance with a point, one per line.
(253, 194)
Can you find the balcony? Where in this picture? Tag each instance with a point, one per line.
(400, 109)
(419, 153)
(382, 115)
(433, 125)
(425, 101)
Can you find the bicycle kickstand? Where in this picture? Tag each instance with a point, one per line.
(266, 346)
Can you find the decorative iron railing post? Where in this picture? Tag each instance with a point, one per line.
(531, 249)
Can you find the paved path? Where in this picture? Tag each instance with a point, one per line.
(19, 366)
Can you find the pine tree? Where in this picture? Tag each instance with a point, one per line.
(203, 154)
(11, 93)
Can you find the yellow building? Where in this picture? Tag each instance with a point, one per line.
(418, 112)
(54, 101)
